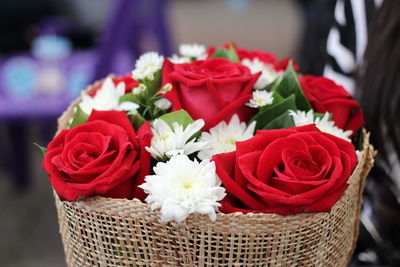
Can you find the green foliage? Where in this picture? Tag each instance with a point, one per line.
(287, 95)
(269, 113)
(283, 121)
(155, 84)
(42, 148)
(180, 116)
(130, 97)
(288, 85)
(79, 117)
(136, 119)
(229, 54)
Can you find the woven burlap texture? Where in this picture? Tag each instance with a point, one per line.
(119, 232)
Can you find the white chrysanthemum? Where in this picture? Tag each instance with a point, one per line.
(193, 51)
(106, 98)
(223, 137)
(179, 60)
(268, 72)
(147, 65)
(301, 118)
(163, 103)
(260, 98)
(181, 187)
(166, 141)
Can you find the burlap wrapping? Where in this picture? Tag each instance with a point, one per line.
(118, 232)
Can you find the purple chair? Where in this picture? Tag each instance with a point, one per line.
(129, 21)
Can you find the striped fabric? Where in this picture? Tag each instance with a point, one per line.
(347, 40)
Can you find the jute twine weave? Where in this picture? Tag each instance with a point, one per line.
(118, 232)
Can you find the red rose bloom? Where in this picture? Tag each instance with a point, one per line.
(213, 89)
(267, 58)
(130, 83)
(326, 96)
(101, 157)
(286, 171)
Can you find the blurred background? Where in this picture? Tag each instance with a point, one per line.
(52, 49)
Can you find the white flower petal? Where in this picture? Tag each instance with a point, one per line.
(106, 98)
(163, 103)
(181, 187)
(260, 98)
(127, 106)
(223, 137)
(301, 118)
(146, 65)
(179, 60)
(166, 140)
(192, 50)
(268, 72)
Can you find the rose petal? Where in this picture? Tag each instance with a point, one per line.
(225, 160)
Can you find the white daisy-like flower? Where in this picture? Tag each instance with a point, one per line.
(301, 118)
(106, 98)
(167, 141)
(163, 103)
(223, 137)
(181, 187)
(260, 98)
(147, 65)
(179, 60)
(268, 72)
(193, 51)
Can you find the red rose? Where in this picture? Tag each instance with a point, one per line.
(267, 58)
(212, 89)
(286, 171)
(326, 96)
(101, 157)
(130, 83)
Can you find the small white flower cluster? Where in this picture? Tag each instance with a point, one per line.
(268, 73)
(181, 186)
(301, 118)
(260, 98)
(189, 52)
(147, 64)
(223, 137)
(168, 141)
(106, 98)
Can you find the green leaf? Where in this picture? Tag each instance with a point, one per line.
(277, 98)
(130, 97)
(290, 85)
(271, 112)
(220, 53)
(155, 84)
(232, 54)
(272, 85)
(79, 117)
(180, 116)
(136, 119)
(283, 121)
(42, 148)
(229, 54)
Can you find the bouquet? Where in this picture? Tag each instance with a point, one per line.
(188, 159)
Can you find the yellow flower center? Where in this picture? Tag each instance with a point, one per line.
(260, 101)
(187, 184)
